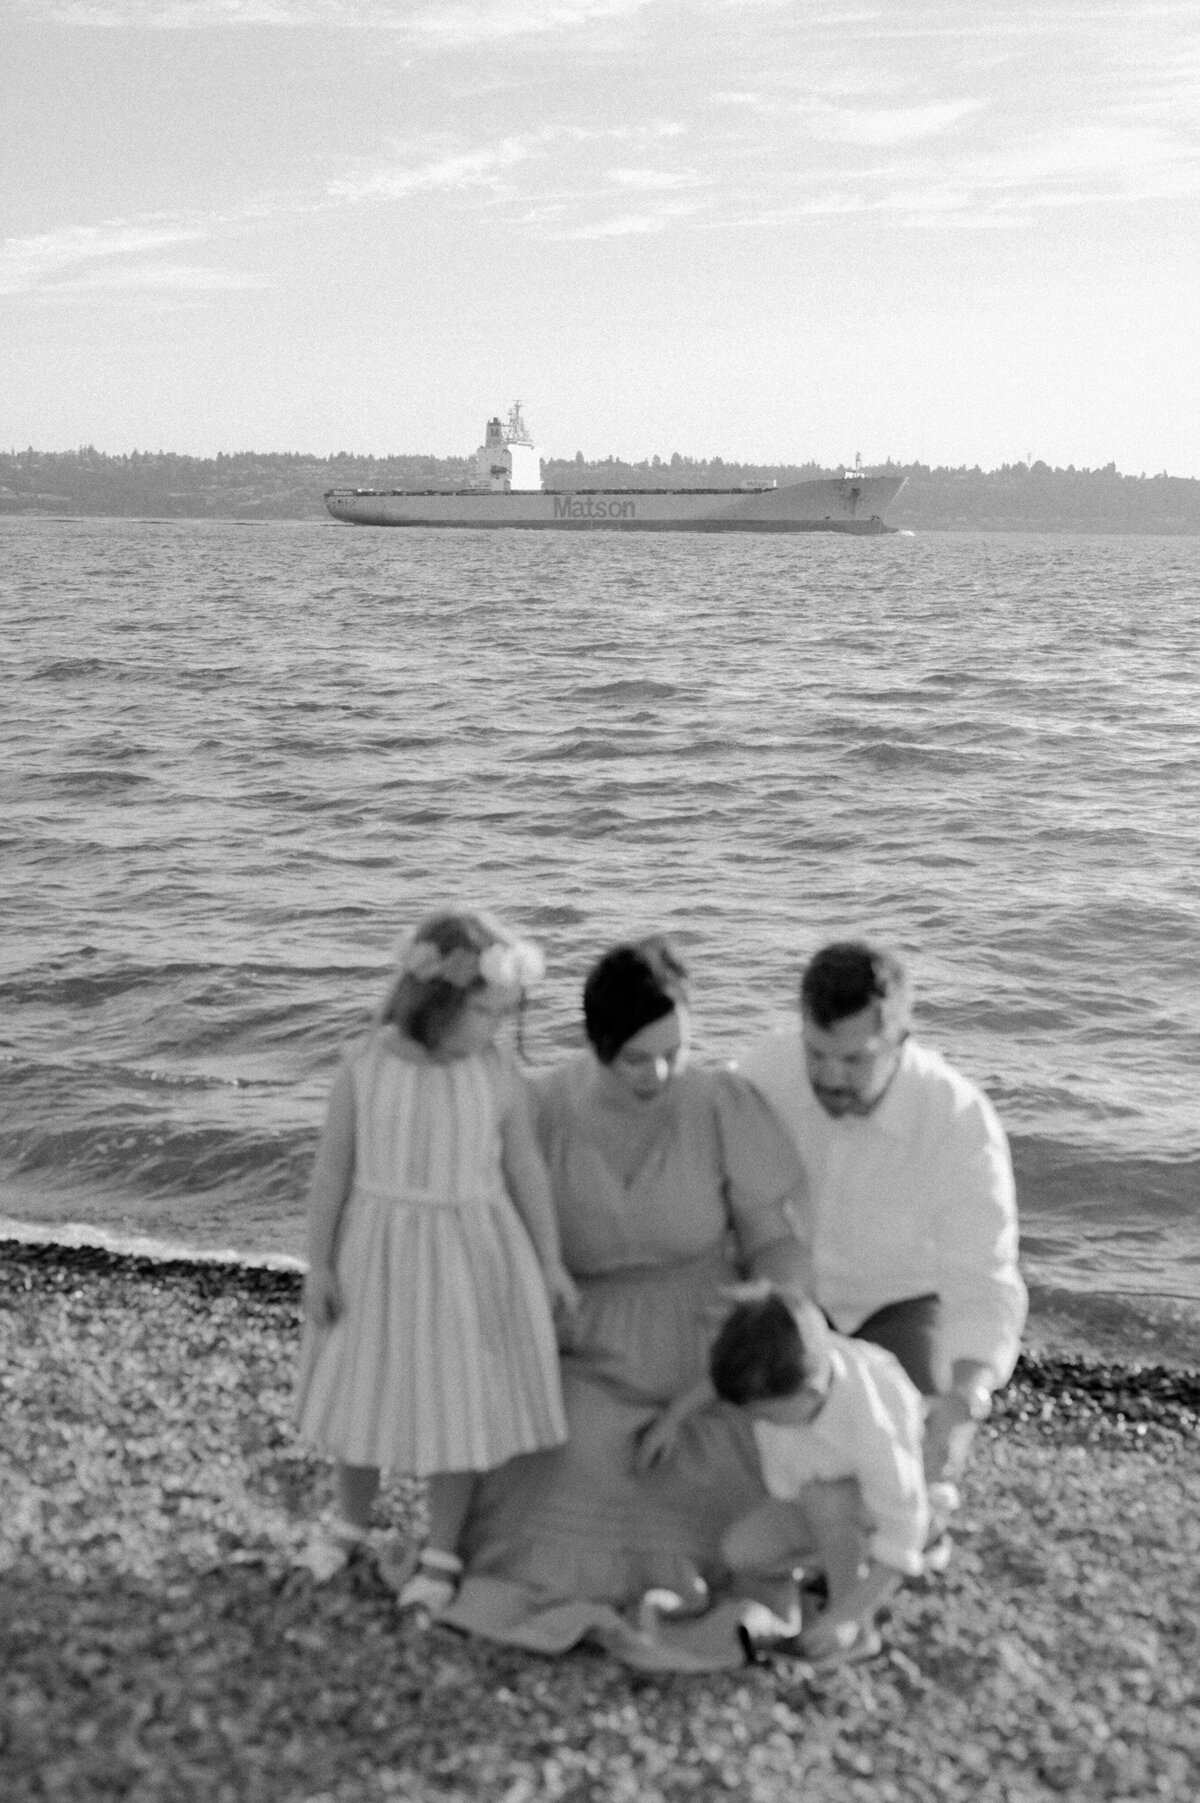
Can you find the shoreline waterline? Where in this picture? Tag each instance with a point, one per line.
(1130, 1329)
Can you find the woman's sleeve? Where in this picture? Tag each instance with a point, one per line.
(765, 1185)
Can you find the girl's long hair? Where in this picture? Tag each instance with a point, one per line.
(426, 1008)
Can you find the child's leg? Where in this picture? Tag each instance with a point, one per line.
(356, 1487)
(334, 1538)
(765, 1550)
(448, 1500)
(834, 1512)
(821, 1530)
(775, 1537)
(431, 1586)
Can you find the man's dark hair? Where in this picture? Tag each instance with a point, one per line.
(759, 1353)
(846, 977)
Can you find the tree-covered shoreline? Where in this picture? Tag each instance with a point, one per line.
(282, 485)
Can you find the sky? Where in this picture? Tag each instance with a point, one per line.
(953, 231)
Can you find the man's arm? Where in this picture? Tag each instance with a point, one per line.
(983, 1298)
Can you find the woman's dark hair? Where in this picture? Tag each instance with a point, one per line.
(631, 987)
(759, 1353)
(846, 977)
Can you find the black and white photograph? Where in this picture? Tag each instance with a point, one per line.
(599, 904)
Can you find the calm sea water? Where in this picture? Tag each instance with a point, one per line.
(239, 758)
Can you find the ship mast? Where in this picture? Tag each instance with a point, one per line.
(515, 430)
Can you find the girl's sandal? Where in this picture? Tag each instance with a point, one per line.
(433, 1585)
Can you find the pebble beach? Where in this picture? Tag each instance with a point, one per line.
(159, 1640)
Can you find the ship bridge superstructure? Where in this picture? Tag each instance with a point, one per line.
(507, 461)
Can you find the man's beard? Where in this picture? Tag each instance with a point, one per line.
(840, 1101)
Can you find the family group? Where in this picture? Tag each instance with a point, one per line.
(689, 1359)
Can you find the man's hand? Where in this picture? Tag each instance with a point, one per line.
(951, 1419)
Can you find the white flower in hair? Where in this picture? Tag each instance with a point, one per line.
(510, 964)
(498, 964)
(419, 958)
(514, 966)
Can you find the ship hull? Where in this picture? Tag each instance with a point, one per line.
(850, 504)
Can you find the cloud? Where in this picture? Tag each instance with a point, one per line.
(122, 256)
(439, 24)
(27, 264)
(183, 15)
(423, 166)
(885, 125)
(161, 278)
(628, 225)
(454, 171)
(651, 178)
(464, 23)
(1081, 152)
(1093, 165)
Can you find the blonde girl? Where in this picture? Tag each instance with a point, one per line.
(433, 1254)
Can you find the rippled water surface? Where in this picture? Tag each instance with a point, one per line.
(238, 758)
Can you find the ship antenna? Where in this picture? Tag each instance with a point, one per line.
(516, 431)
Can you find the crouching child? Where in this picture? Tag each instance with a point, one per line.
(838, 1426)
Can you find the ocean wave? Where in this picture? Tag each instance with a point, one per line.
(139, 1156)
(641, 688)
(70, 669)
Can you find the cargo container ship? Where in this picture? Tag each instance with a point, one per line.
(508, 491)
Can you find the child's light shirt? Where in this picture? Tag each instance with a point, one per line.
(870, 1428)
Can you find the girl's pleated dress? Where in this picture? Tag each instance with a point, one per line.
(444, 1356)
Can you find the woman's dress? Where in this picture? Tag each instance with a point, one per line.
(444, 1355)
(650, 1251)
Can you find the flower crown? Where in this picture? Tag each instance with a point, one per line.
(511, 964)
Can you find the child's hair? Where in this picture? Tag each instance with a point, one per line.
(629, 988)
(447, 956)
(766, 1349)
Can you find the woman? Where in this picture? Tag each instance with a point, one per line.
(671, 1184)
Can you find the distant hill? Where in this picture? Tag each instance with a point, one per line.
(250, 485)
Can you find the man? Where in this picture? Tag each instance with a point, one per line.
(914, 1214)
